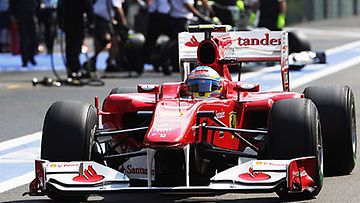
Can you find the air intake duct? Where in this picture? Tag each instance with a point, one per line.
(208, 53)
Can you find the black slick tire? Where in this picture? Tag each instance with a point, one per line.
(298, 42)
(68, 135)
(338, 120)
(295, 131)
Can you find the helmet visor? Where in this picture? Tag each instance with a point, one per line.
(203, 85)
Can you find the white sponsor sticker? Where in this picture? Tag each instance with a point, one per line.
(270, 165)
(136, 168)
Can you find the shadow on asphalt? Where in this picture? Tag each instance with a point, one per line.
(150, 198)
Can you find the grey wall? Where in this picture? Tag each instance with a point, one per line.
(309, 10)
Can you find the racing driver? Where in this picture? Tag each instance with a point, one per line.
(202, 83)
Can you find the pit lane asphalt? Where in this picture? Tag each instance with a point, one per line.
(23, 108)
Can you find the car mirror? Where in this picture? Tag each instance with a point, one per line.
(146, 88)
(245, 87)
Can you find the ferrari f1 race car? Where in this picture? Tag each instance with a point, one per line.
(206, 134)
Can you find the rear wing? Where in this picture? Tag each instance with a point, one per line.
(233, 47)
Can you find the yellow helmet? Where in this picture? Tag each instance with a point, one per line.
(204, 82)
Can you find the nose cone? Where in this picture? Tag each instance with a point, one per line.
(172, 124)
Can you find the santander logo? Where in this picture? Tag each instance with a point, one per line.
(193, 42)
(134, 170)
(265, 41)
(89, 176)
(254, 176)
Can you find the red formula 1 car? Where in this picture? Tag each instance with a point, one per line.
(205, 134)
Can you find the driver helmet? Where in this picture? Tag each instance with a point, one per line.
(204, 82)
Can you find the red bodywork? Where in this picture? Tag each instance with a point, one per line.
(174, 121)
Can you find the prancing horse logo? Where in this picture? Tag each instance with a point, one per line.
(232, 121)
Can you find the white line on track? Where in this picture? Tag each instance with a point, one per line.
(319, 74)
(13, 143)
(325, 72)
(16, 182)
(16, 161)
(343, 47)
(329, 32)
(257, 73)
(19, 141)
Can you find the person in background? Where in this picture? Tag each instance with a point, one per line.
(158, 24)
(23, 13)
(47, 22)
(222, 9)
(252, 13)
(108, 13)
(180, 13)
(4, 25)
(272, 14)
(71, 21)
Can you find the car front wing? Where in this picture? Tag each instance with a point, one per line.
(70, 178)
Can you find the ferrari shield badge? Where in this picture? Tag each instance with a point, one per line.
(232, 121)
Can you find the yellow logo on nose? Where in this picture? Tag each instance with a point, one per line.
(232, 121)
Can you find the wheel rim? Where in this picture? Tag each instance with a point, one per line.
(319, 149)
(353, 130)
(92, 141)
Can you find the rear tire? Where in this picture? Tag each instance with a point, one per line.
(321, 56)
(298, 42)
(295, 131)
(68, 135)
(338, 119)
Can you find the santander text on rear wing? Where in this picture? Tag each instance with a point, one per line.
(214, 46)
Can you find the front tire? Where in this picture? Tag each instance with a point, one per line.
(295, 131)
(68, 135)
